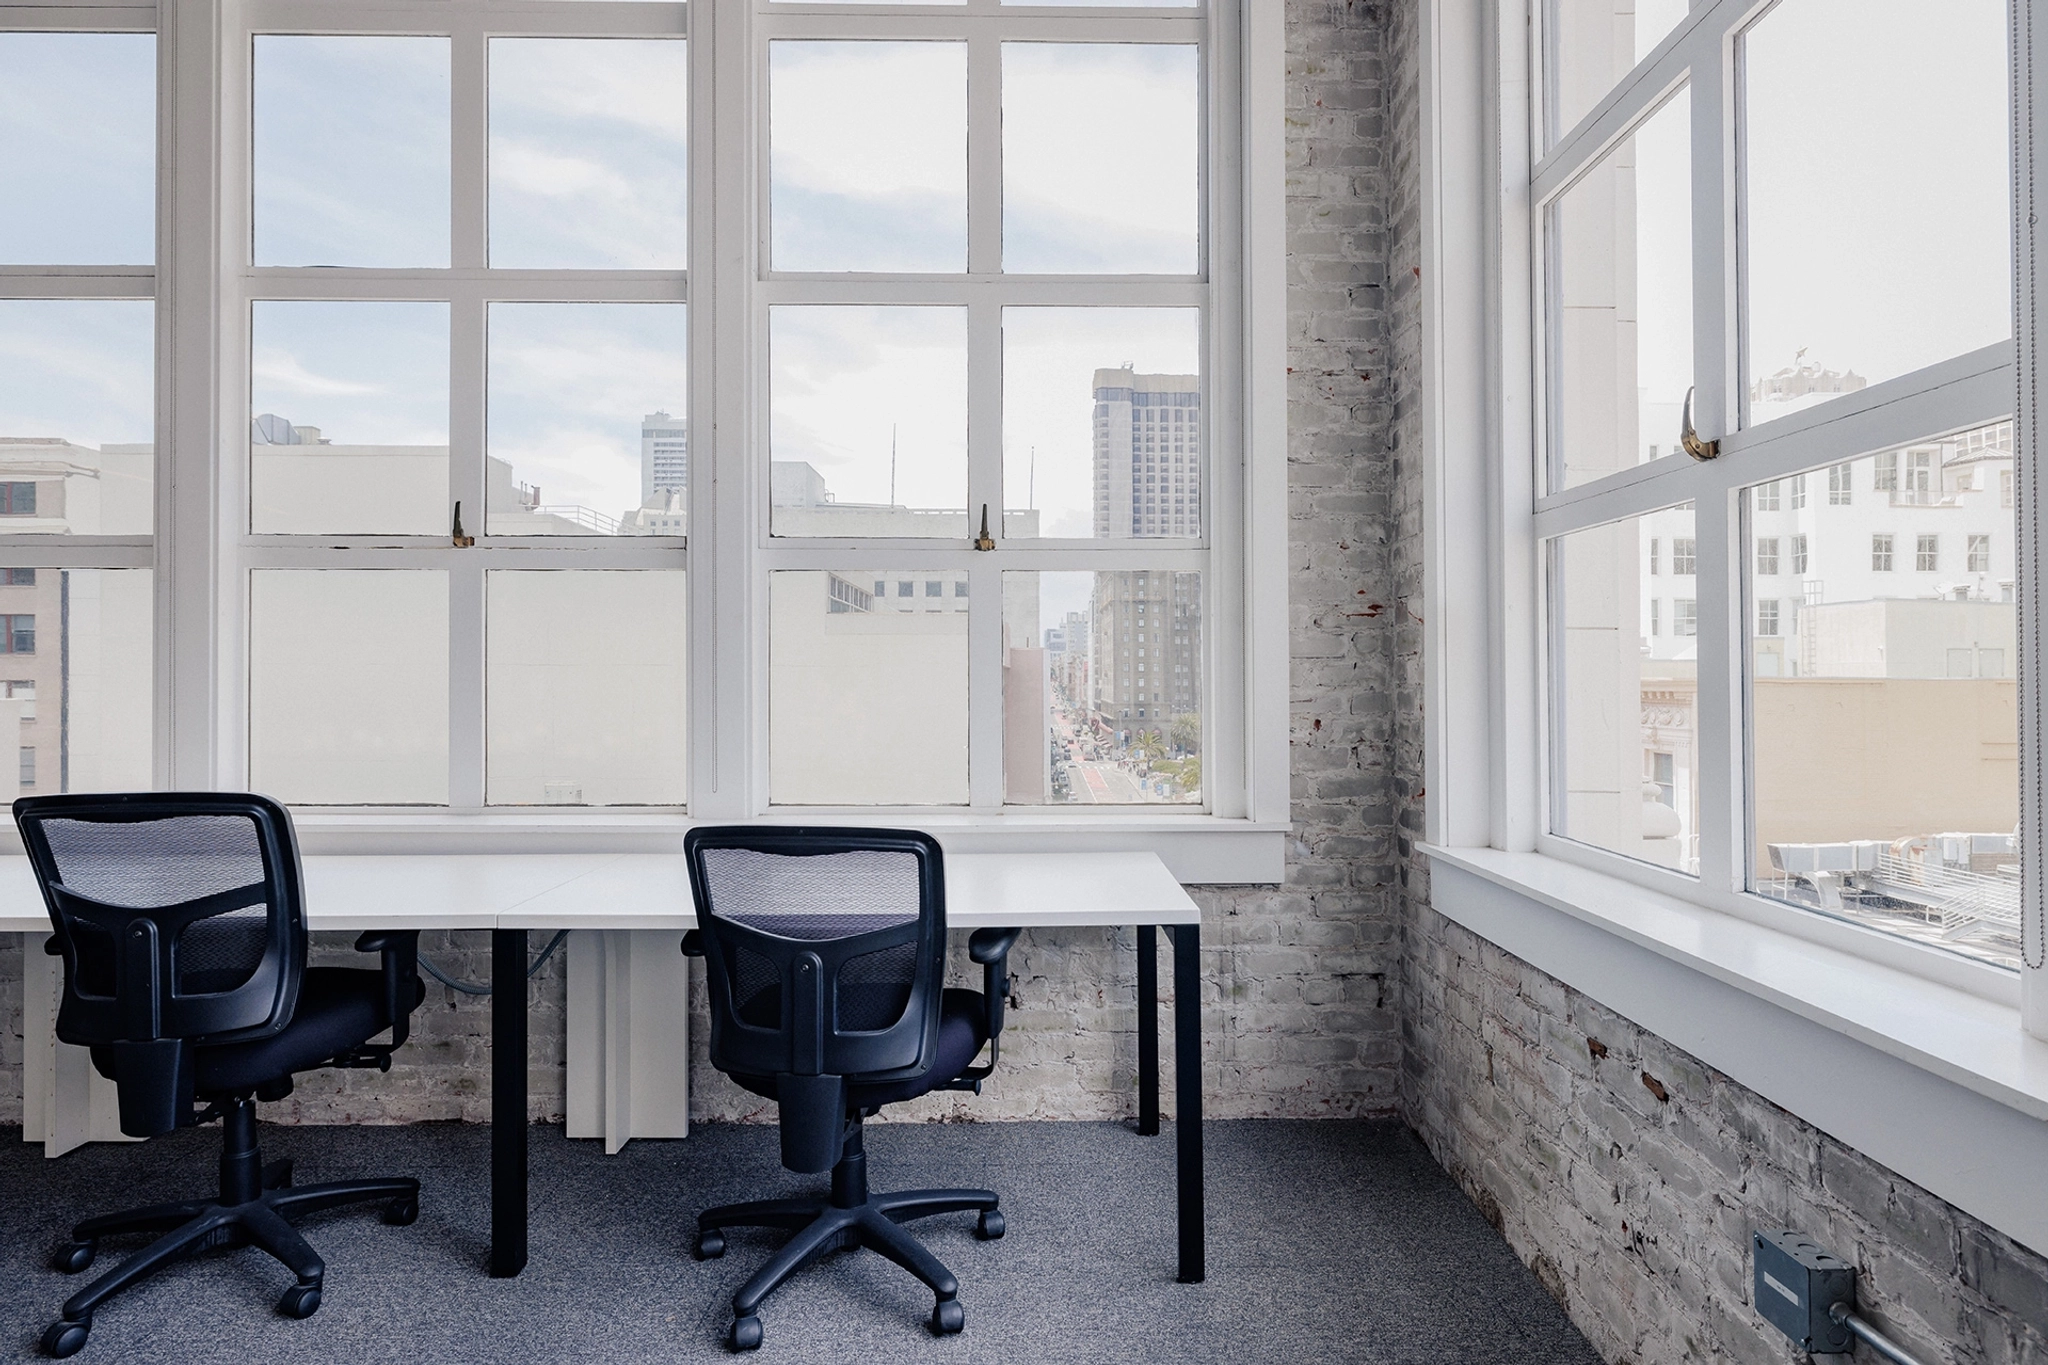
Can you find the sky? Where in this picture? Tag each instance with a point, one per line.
(569, 384)
(1878, 184)
(77, 148)
(844, 382)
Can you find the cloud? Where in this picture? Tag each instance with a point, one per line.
(284, 373)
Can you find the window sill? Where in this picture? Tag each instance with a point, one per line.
(1198, 849)
(1936, 1083)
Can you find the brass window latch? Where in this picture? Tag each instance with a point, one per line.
(984, 541)
(1689, 437)
(455, 533)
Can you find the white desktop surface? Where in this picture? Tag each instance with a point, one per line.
(652, 891)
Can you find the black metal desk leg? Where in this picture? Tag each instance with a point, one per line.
(508, 1102)
(1148, 1031)
(1187, 1095)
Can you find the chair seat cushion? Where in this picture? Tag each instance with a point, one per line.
(339, 1008)
(963, 1028)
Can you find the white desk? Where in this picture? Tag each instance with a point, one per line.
(628, 1015)
(652, 891)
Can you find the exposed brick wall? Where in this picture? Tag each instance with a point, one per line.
(1300, 980)
(1630, 1175)
(1633, 1201)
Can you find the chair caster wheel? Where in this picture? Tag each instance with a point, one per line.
(402, 1213)
(710, 1246)
(746, 1334)
(300, 1301)
(991, 1227)
(65, 1338)
(948, 1317)
(73, 1257)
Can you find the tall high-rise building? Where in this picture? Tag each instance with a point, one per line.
(1146, 626)
(664, 458)
(1148, 454)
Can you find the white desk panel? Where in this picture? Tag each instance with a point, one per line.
(652, 891)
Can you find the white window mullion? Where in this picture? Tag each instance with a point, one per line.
(466, 341)
(730, 735)
(189, 303)
(985, 685)
(1715, 311)
(984, 154)
(1719, 709)
(469, 128)
(466, 687)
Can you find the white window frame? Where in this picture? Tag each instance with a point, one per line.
(203, 555)
(1933, 1064)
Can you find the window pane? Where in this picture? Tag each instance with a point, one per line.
(867, 689)
(78, 148)
(78, 642)
(77, 416)
(1102, 688)
(1824, 226)
(586, 683)
(869, 154)
(1621, 331)
(1886, 734)
(1102, 422)
(351, 151)
(1594, 43)
(1070, 205)
(349, 418)
(1624, 631)
(589, 142)
(868, 421)
(588, 424)
(348, 685)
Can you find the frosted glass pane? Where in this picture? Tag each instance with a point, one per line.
(868, 413)
(868, 148)
(589, 419)
(77, 148)
(586, 681)
(589, 153)
(1102, 688)
(348, 685)
(867, 688)
(1880, 227)
(1100, 158)
(1102, 422)
(77, 416)
(349, 418)
(351, 145)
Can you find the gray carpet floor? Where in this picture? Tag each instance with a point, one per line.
(1328, 1241)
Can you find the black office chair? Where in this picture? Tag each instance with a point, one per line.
(181, 922)
(825, 952)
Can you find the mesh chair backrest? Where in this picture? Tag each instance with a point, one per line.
(866, 903)
(150, 865)
(216, 875)
(820, 898)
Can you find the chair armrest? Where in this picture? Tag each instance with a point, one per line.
(401, 950)
(991, 948)
(693, 943)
